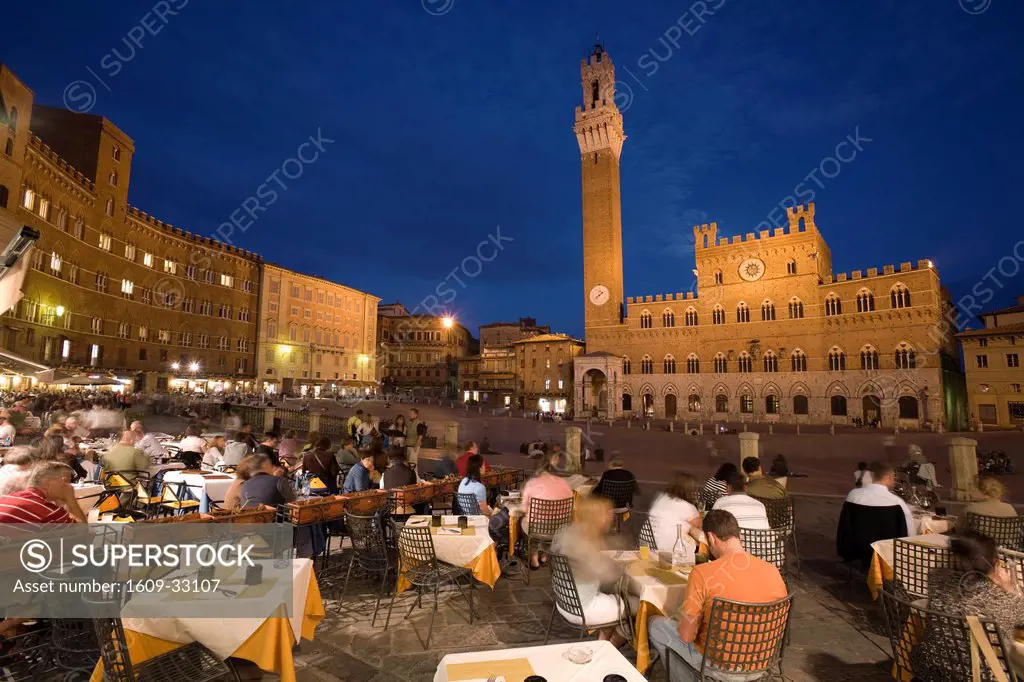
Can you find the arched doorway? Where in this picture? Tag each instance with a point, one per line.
(648, 404)
(872, 406)
(670, 406)
(627, 402)
(595, 393)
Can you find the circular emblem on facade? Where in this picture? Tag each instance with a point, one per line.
(752, 269)
(599, 295)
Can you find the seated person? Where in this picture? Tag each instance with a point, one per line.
(673, 508)
(321, 463)
(879, 493)
(861, 477)
(714, 486)
(734, 574)
(748, 512)
(243, 472)
(398, 474)
(347, 454)
(977, 585)
(268, 447)
(471, 485)
(264, 488)
(472, 449)
(445, 466)
(288, 448)
(124, 458)
(545, 485)
(46, 498)
(583, 542)
(14, 473)
(214, 452)
(235, 450)
(759, 485)
(992, 492)
(616, 472)
(192, 448)
(358, 478)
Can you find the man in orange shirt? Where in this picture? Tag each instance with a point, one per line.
(734, 575)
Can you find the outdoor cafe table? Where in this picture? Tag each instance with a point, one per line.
(929, 531)
(267, 642)
(87, 493)
(548, 662)
(206, 487)
(661, 593)
(472, 548)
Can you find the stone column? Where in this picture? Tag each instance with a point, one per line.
(314, 421)
(268, 419)
(573, 441)
(748, 446)
(451, 435)
(963, 463)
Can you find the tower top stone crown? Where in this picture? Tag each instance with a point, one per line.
(598, 120)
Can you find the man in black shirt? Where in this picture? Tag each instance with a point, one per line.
(623, 496)
(269, 448)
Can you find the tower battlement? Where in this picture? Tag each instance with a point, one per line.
(800, 218)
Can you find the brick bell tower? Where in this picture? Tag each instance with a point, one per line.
(600, 136)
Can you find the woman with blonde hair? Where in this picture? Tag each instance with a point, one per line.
(582, 543)
(243, 472)
(675, 508)
(992, 492)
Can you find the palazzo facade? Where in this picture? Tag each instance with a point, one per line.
(771, 332)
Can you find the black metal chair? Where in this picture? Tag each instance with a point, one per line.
(646, 536)
(742, 639)
(768, 545)
(28, 655)
(543, 519)
(418, 564)
(370, 554)
(912, 562)
(468, 504)
(190, 663)
(567, 598)
(782, 518)
(1014, 563)
(933, 645)
(1005, 530)
(621, 495)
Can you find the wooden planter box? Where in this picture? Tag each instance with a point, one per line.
(321, 510)
(409, 495)
(446, 487)
(366, 502)
(245, 516)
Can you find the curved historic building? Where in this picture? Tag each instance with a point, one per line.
(771, 333)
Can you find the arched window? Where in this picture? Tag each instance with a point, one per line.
(833, 305)
(4, 196)
(836, 359)
(691, 317)
(112, 178)
(800, 405)
(791, 267)
(771, 361)
(742, 312)
(718, 315)
(906, 357)
(746, 363)
(721, 403)
(838, 406)
(627, 402)
(692, 364)
(899, 296)
(627, 366)
(798, 361)
(865, 301)
(767, 311)
(647, 365)
(771, 404)
(693, 403)
(645, 320)
(796, 308)
(595, 94)
(721, 363)
(669, 364)
(868, 358)
(12, 120)
(668, 318)
(908, 407)
(747, 404)
(110, 207)
(718, 276)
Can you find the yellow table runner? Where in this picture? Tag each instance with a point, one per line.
(485, 568)
(513, 670)
(270, 647)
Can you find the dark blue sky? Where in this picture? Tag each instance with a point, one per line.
(447, 126)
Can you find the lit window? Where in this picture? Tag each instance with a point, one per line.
(127, 287)
(170, 267)
(55, 263)
(97, 325)
(129, 251)
(115, 152)
(143, 333)
(227, 280)
(164, 336)
(147, 259)
(44, 208)
(124, 330)
(204, 341)
(547, 384)
(29, 199)
(94, 354)
(65, 349)
(561, 384)
(105, 241)
(112, 178)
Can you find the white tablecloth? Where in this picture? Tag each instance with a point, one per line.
(88, 493)
(204, 488)
(223, 636)
(548, 662)
(883, 548)
(460, 550)
(667, 598)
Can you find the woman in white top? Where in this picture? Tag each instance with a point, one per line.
(673, 508)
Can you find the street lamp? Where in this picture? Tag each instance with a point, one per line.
(194, 367)
(448, 321)
(59, 310)
(175, 366)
